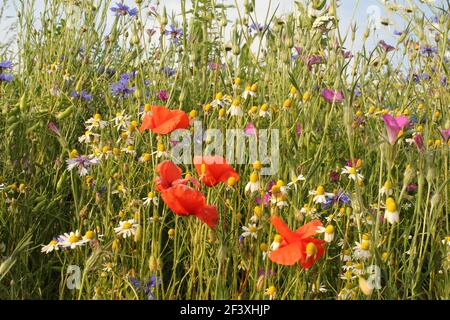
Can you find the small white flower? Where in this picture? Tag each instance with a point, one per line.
(361, 250)
(150, 198)
(251, 230)
(235, 111)
(126, 228)
(88, 137)
(320, 196)
(121, 121)
(352, 173)
(71, 240)
(95, 122)
(52, 246)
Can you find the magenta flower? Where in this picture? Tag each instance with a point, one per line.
(332, 96)
(250, 129)
(445, 133)
(52, 126)
(394, 126)
(163, 95)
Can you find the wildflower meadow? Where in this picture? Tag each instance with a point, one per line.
(224, 149)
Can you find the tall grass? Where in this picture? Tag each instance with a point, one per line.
(80, 45)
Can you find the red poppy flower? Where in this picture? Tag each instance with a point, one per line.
(298, 246)
(164, 121)
(184, 200)
(215, 170)
(170, 175)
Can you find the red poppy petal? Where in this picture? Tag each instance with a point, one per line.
(287, 255)
(147, 123)
(307, 262)
(166, 121)
(191, 198)
(169, 171)
(173, 202)
(209, 215)
(309, 229)
(284, 230)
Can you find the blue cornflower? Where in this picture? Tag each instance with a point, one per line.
(5, 64)
(169, 71)
(444, 80)
(398, 33)
(6, 77)
(428, 50)
(342, 198)
(121, 88)
(153, 282)
(123, 10)
(174, 33)
(258, 27)
(82, 95)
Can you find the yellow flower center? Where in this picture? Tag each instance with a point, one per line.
(320, 190)
(264, 247)
(130, 148)
(74, 238)
(254, 177)
(160, 147)
(254, 109)
(150, 195)
(329, 229)
(146, 157)
(365, 245)
(219, 96)
(237, 81)
(391, 206)
(221, 112)
(275, 189)
(97, 116)
(278, 238)
(257, 211)
(388, 185)
(105, 149)
(53, 243)
(254, 87)
(311, 249)
(231, 181)
(264, 107)
(73, 153)
(116, 151)
(171, 232)
(147, 107)
(306, 96)
(293, 90)
(257, 165)
(271, 290)
(287, 103)
(352, 170)
(206, 107)
(252, 229)
(90, 234)
(126, 225)
(193, 114)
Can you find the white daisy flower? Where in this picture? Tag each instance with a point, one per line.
(95, 122)
(126, 228)
(251, 230)
(387, 189)
(328, 231)
(150, 198)
(352, 173)
(121, 120)
(391, 213)
(71, 240)
(320, 196)
(235, 111)
(361, 250)
(253, 184)
(52, 246)
(88, 137)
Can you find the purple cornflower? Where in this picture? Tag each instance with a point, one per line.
(427, 50)
(174, 33)
(123, 10)
(258, 27)
(169, 71)
(6, 77)
(6, 64)
(153, 282)
(332, 96)
(162, 95)
(82, 163)
(398, 33)
(386, 47)
(341, 198)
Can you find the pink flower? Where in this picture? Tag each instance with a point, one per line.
(250, 129)
(52, 126)
(332, 96)
(445, 133)
(163, 95)
(419, 142)
(298, 129)
(386, 47)
(394, 126)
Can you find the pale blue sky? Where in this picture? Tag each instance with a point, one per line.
(356, 11)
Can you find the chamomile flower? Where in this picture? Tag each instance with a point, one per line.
(129, 149)
(90, 236)
(362, 250)
(391, 213)
(328, 231)
(71, 240)
(446, 240)
(276, 242)
(253, 184)
(235, 109)
(387, 188)
(352, 173)
(88, 137)
(271, 292)
(126, 228)
(219, 101)
(120, 189)
(295, 180)
(264, 111)
(257, 213)
(108, 267)
(320, 196)
(250, 91)
(126, 137)
(52, 246)
(309, 211)
(121, 120)
(95, 122)
(250, 231)
(346, 256)
(150, 198)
